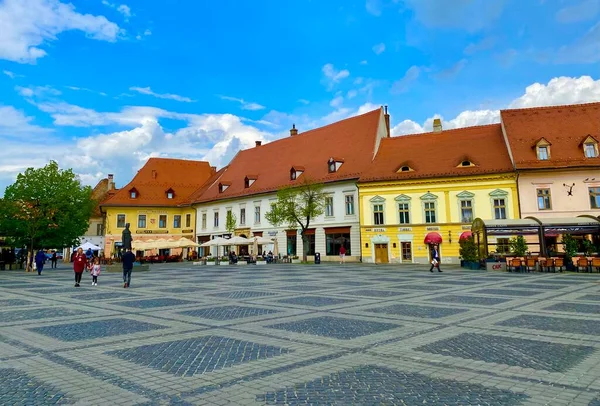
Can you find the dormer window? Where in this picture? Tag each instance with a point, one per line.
(249, 180)
(334, 164)
(542, 148)
(170, 194)
(466, 163)
(590, 147)
(133, 193)
(295, 172)
(223, 187)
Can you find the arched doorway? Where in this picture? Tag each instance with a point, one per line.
(433, 241)
(381, 248)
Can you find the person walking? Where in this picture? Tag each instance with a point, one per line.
(95, 271)
(40, 259)
(128, 259)
(342, 254)
(53, 260)
(79, 264)
(435, 259)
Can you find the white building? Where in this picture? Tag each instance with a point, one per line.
(334, 155)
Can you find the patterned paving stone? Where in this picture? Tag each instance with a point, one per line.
(575, 307)
(303, 288)
(476, 300)
(593, 298)
(511, 351)
(18, 388)
(374, 293)
(315, 301)
(199, 355)
(18, 286)
(157, 302)
(595, 402)
(426, 288)
(95, 329)
(557, 324)
(14, 302)
(38, 314)
(102, 296)
(375, 385)
(186, 289)
(326, 326)
(242, 294)
(537, 286)
(507, 292)
(352, 283)
(224, 313)
(457, 282)
(57, 290)
(426, 312)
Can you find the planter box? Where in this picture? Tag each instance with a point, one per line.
(199, 263)
(210, 263)
(224, 263)
(242, 263)
(296, 261)
(261, 262)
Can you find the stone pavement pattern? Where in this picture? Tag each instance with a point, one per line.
(294, 334)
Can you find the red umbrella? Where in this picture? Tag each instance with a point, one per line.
(433, 238)
(465, 235)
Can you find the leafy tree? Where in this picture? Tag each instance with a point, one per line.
(570, 246)
(518, 246)
(589, 247)
(296, 207)
(230, 222)
(46, 207)
(468, 249)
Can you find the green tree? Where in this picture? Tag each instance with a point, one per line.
(296, 207)
(230, 222)
(468, 249)
(570, 246)
(518, 246)
(46, 207)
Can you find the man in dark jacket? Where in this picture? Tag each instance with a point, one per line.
(128, 259)
(40, 260)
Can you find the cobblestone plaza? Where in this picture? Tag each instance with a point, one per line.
(295, 334)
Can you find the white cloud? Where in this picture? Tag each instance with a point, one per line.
(558, 91)
(121, 8)
(337, 101)
(303, 101)
(37, 91)
(333, 76)
(10, 74)
(245, 105)
(28, 24)
(169, 96)
(379, 48)
(146, 33)
(364, 62)
(483, 45)
(453, 70)
(584, 50)
(402, 85)
(469, 15)
(582, 11)
(15, 122)
(351, 94)
(373, 7)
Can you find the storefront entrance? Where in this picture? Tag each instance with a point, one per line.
(381, 254)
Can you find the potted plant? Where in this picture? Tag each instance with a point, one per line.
(210, 261)
(468, 253)
(588, 247)
(570, 247)
(518, 246)
(296, 260)
(224, 260)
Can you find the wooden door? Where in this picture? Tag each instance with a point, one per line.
(381, 254)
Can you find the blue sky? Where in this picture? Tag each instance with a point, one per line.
(101, 85)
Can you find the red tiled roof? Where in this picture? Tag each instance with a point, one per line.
(564, 127)
(99, 194)
(159, 175)
(438, 154)
(352, 141)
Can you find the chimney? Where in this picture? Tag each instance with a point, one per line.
(437, 125)
(387, 120)
(213, 169)
(293, 131)
(258, 143)
(111, 182)
(154, 174)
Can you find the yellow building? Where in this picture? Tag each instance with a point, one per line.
(427, 189)
(156, 203)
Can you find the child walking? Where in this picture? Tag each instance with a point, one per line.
(95, 271)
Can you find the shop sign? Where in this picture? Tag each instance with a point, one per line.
(433, 228)
(272, 233)
(404, 228)
(152, 232)
(187, 231)
(379, 230)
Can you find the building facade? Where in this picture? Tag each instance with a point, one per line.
(334, 155)
(555, 153)
(426, 189)
(155, 203)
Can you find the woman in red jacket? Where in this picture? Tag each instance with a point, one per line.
(79, 263)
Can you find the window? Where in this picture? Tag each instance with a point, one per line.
(242, 216)
(544, 199)
(329, 206)
(292, 175)
(256, 214)
(170, 194)
(466, 163)
(499, 209)
(466, 211)
(403, 213)
(216, 219)
(177, 221)
(120, 221)
(204, 221)
(291, 243)
(429, 212)
(378, 214)
(99, 229)
(502, 245)
(590, 149)
(406, 248)
(133, 194)
(142, 221)
(311, 244)
(595, 197)
(162, 221)
(543, 154)
(349, 205)
(248, 181)
(405, 169)
(333, 243)
(188, 220)
(223, 187)
(331, 166)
